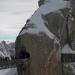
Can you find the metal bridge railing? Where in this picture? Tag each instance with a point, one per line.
(13, 63)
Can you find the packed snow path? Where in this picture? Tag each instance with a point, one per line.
(13, 63)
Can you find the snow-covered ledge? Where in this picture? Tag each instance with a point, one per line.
(67, 50)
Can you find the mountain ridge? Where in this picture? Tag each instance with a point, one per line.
(7, 49)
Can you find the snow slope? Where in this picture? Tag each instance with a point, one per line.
(37, 21)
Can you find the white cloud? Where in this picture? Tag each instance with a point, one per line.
(13, 15)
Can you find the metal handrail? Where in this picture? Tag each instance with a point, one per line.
(13, 63)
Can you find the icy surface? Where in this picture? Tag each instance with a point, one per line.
(38, 22)
(12, 71)
(67, 49)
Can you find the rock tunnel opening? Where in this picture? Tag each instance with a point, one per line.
(24, 54)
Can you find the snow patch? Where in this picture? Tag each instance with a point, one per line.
(38, 21)
(67, 49)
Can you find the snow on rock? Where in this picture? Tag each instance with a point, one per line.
(37, 21)
(7, 49)
(67, 49)
(53, 1)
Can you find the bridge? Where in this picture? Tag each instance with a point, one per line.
(4, 64)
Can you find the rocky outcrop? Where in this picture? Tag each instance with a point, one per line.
(40, 2)
(43, 41)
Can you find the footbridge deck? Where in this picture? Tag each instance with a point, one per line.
(13, 63)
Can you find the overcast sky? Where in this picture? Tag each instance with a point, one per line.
(13, 16)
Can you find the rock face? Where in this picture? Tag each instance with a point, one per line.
(42, 37)
(40, 2)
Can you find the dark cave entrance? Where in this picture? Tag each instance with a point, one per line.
(24, 54)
